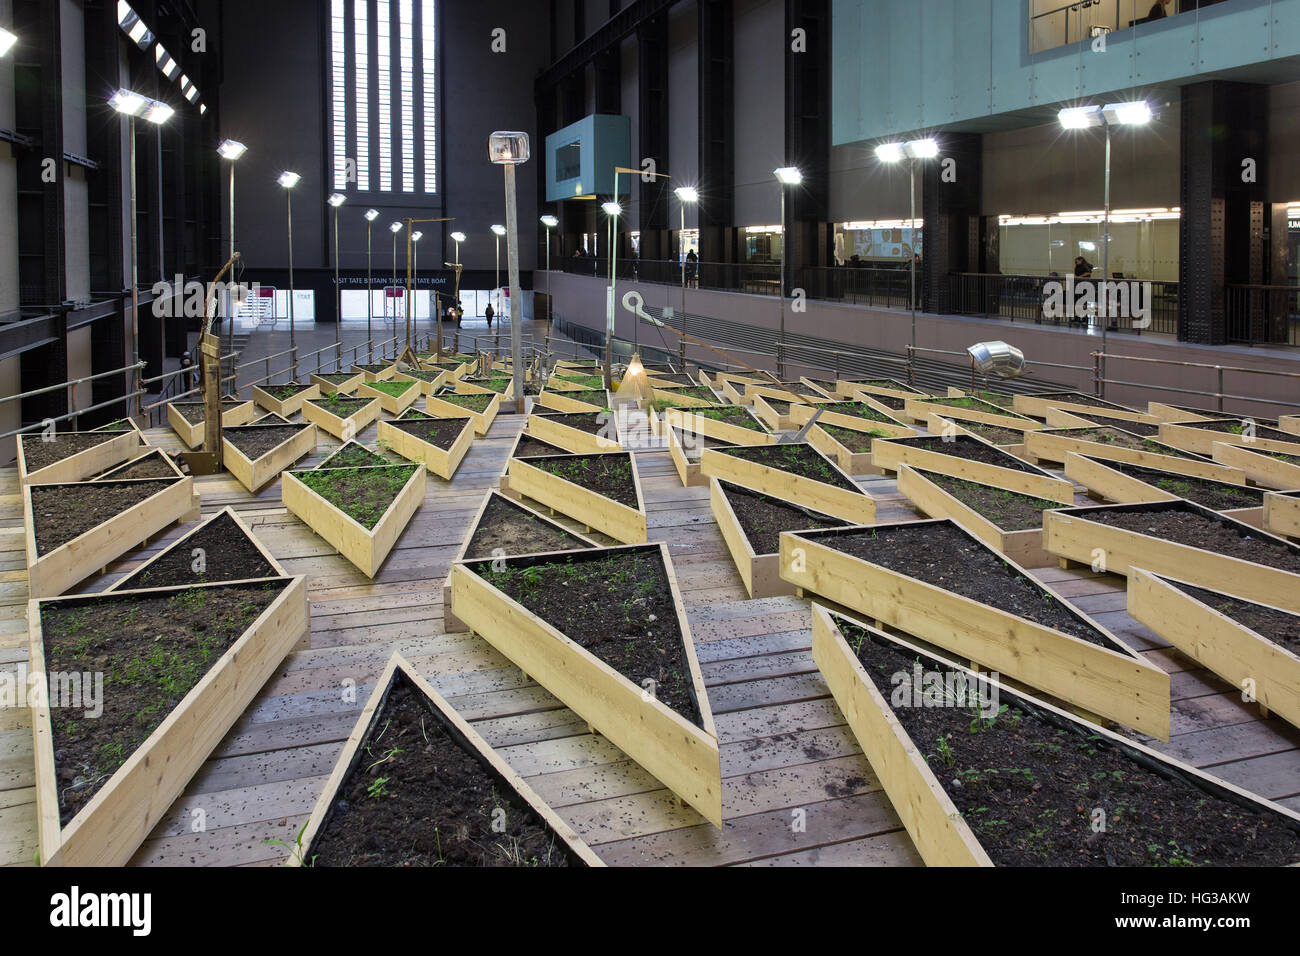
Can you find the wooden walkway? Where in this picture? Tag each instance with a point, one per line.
(783, 741)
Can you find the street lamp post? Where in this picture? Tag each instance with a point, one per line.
(231, 150)
(612, 210)
(550, 222)
(686, 194)
(509, 149)
(288, 180)
(457, 237)
(336, 200)
(395, 228)
(371, 216)
(498, 231)
(786, 176)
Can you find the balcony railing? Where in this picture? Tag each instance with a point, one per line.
(1263, 314)
(1153, 308)
(755, 278)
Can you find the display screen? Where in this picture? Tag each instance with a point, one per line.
(568, 161)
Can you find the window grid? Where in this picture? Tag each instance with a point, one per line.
(362, 98)
(338, 65)
(407, 114)
(428, 51)
(384, 79)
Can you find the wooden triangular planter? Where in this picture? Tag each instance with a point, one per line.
(233, 412)
(152, 460)
(175, 565)
(619, 521)
(286, 407)
(439, 406)
(933, 453)
(393, 404)
(253, 474)
(342, 427)
(559, 429)
(852, 505)
(339, 383)
(443, 462)
(109, 449)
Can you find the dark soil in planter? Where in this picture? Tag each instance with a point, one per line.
(417, 797)
(1077, 398)
(1279, 455)
(475, 403)
(228, 555)
(439, 432)
(363, 494)
(121, 425)
(782, 408)
(41, 453)
(886, 383)
(63, 512)
(971, 449)
(375, 367)
(254, 441)
(151, 650)
(1209, 533)
(616, 605)
(340, 405)
(516, 530)
(353, 455)
(728, 414)
(1009, 510)
(1122, 438)
(994, 433)
(288, 390)
(858, 410)
(152, 465)
(891, 402)
(270, 418)
(1026, 782)
(858, 442)
(1238, 426)
(797, 458)
(1215, 495)
(609, 475)
(593, 423)
(692, 443)
(973, 404)
(799, 388)
(693, 391)
(194, 412)
(530, 447)
(338, 378)
(1213, 413)
(1137, 428)
(1278, 626)
(943, 555)
(421, 374)
(763, 517)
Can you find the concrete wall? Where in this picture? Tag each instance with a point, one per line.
(760, 109)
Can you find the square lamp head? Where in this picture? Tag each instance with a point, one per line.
(508, 148)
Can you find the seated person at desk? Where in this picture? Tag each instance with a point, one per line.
(1082, 268)
(1157, 11)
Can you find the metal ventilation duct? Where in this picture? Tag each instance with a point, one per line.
(998, 359)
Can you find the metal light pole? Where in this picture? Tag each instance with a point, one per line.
(288, 180)
(336, 200)
(231, 150)
(687, 194)
(395, 228)
(892, 153)
(371, 216)
(612, 210)
(550, 222)
(786, 176)
(509, 149)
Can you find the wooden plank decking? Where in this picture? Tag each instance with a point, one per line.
(784, 744)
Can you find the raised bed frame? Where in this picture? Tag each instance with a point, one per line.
(125, 583)
(285, 407)
(1190, 437)
(122, 447)
(920, 409)
(851, 462)
(558, 401)
(591, 508)
(723, 431)
(442, 462)
(1053, 445)
(1259, 468)
(483, 420)
(800, 413)
(426, 387)
(1024, 547)
(1036, 406)
(393, 404)
(152, 452)
(366, 548)
(344, 429)
(473, 388)
(679, 754)
(848, 390)
(936, 424)
(461, 732)
(688, 471)
(769, 416)
(1120, 488)
(381, 376)
(856, 506)
(1282, 513)
(192, 434)
(254, 474)
(670, 394)
(890, 455)
(1117, 684)
(576, 440)
(329, 388)
(1071, 535)
(52, 573)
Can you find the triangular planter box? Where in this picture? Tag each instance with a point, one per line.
(679, 754)
(115, 448)
(253, 474)
(1025, 546)
(594, 510)
(851, 462)
(1197, 438)
(1071, 534)
(364, 547)
(426, 386)
(918, 409)
(672, 393)
(270, 418)
(1053, 444)
(1113, 681)
(55, 571)
(849, 389)
(450, 622)
(343, 429)
(936, 424)
(761, 573)
(118, 473)
(130, 426)
(938, 830)
(503, 482)
(557, 383)
(286, 407)
(1282, 513)
(1028, 479)
(800, 413)
(108, 830)
(1107, 482)
(482, 420)
(1177, 413)
(572, 376)
(465, 387)
(329, 462)
(856, 506)
(393, 404)
(133, 581)
(346, 387)
(770, 415)
(686, 463)
(376, 371)
(1259, 468)
(723, 431)
(783, 393)
(191, 433)
(443, 462)
(552, 429)
(714, 380)
(558, 401)
(1036, 406)
(454, 370)
(459, 730)
(1212, 638)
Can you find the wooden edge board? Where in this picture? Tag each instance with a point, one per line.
(580, 442)
(856, 505)
(443, 462)
(253, 474)
(594, 510)
(1262, 469)
(890, 455)
(112, 451)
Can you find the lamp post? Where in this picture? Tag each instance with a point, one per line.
(787, 176)
(131, 105)
(509, 149)
(336, 200)
(892, 153)
(288, 180)
(612, 210)
(498, 231)
(231, 150)
(395, 228)
(550, 222)
(685, 195)
(457, 237)
(371, 216)
(416, 236)
(1136, 113)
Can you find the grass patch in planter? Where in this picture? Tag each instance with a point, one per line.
(340, 416)
(256, 454)
(601, 491)
(751, 524)
(964, 456)
(439, 443)
(1184, 540)
(429, 379)
(74, 530)
(982, 775)
(153, 464)
(178, 666)
(1129, 484)
(62, 457)
(353, 454)
(394, 397)
(360, 511)
(286, 399)
(337, 383)
(583, 433)
(416, 785)
(794, 472)
(604, 631)
(481, 409)
(582, 381)
(220, 549)
(937, 581)
(186, 418)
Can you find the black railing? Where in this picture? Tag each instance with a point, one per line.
(1263, 314)
(887, 288)
(755, 278)
(1136, 305)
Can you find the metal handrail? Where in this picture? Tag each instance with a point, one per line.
(69, 384)
(82, 411)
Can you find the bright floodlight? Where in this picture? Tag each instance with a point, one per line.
(417, 236)
(7, 40)
(231, 149)
(395, 228)
(288, 180)
(889, 152)
(611, 208)
(508, 148)
(1128, 114)
(157, 113)
(922, 149)
(372, 215)
(458, 236)
(687, 193)
(202, 108)
(128, 103)
(788, 175)
(337, 199)
(550, 222)
(1080, 117)
(499, 230)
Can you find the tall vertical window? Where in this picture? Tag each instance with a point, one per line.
(383, 81)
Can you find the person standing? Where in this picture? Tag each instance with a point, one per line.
(488, 313)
